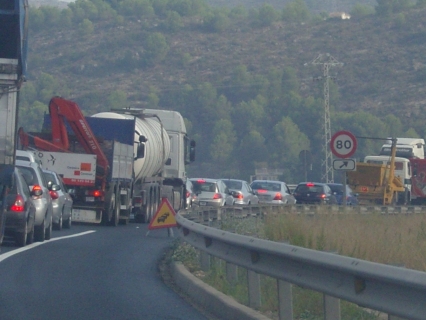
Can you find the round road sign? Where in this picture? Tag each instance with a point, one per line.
(343, 144)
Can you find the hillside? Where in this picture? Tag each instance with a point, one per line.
(384, 69)
(384, 64)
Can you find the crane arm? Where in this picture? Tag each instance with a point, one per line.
(60, 110)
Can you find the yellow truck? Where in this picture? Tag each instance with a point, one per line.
(376, 183)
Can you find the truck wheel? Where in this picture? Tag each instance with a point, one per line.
(116, 213)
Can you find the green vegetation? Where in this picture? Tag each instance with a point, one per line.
(240, 76)
(388, 239)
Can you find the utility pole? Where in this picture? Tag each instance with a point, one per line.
(327, 61)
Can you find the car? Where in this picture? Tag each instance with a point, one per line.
(189, 194)
(34, 177)
(272, 191)
(18, 214)
(61, 200)
(337, 189)
(314, 193)
(241, 191)
(211, 192)
(25, 155)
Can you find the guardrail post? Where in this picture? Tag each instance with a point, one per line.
(285, 300)
(231, 272)
(204, 261)
(331, 308)
(254, 289)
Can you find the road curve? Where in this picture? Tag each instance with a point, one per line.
(111, 273)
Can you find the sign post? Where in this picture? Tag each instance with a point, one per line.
(343, 145)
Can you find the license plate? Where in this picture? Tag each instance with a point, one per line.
(84, 215)
(90, 199)
(203, 203)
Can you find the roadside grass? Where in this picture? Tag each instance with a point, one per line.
(398, 239)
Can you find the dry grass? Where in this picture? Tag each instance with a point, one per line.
(389, 239)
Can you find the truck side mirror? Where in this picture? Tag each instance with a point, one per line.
(192, 151)
(140, 152)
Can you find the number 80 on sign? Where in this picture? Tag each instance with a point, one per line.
(343, 144)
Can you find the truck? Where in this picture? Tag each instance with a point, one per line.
(413, 150)
(137, 159)
(402, 172)
(405, 148)
(13, 64)
(376, 184)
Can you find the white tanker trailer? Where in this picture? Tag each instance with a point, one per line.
(166, 150)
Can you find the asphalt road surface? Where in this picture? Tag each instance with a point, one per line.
(90, 272)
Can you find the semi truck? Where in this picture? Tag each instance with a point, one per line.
(13, 64)
(137, 156)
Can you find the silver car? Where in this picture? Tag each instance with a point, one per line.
(211, 192)
(271, 191)
(241, 191)
(33, 175)
(61, 200)
(190, 195)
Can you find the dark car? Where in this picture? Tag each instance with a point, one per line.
(337, 189)
(314, 193)
(19, 206)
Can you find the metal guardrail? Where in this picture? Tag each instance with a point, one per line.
(393, 290)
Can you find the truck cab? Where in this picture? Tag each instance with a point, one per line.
(406, 148)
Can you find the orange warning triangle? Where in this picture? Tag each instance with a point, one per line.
(164, 217)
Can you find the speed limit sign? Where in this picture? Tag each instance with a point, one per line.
(343, 144)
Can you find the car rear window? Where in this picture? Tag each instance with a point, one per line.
(311, 189)
(266, 186)
(204, 186)
(29, 176)
(233, 184)
(336, 188)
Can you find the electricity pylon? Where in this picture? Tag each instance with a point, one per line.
(327, 61)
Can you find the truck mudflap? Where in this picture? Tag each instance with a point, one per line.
(86, 215)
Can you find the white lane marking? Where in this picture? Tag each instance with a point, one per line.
(36, 244)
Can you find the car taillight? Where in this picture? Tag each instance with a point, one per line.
(18, 205)
(37, 188)
(262, 191)
(309, 184)
(94, 193)
(322, 195)
(238, 195)
(217, 196)
(53, 194)
(278, 196)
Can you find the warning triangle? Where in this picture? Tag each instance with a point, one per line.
(164, 217)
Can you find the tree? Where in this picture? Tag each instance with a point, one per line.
(361, 10)
(295, 11)
(156, 48)
(85, 27)
(216, 21)
(173, 22)
(284, 148)
(267, 15)
(117, 99)
(223, 144)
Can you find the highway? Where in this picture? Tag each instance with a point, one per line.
(90, 272)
